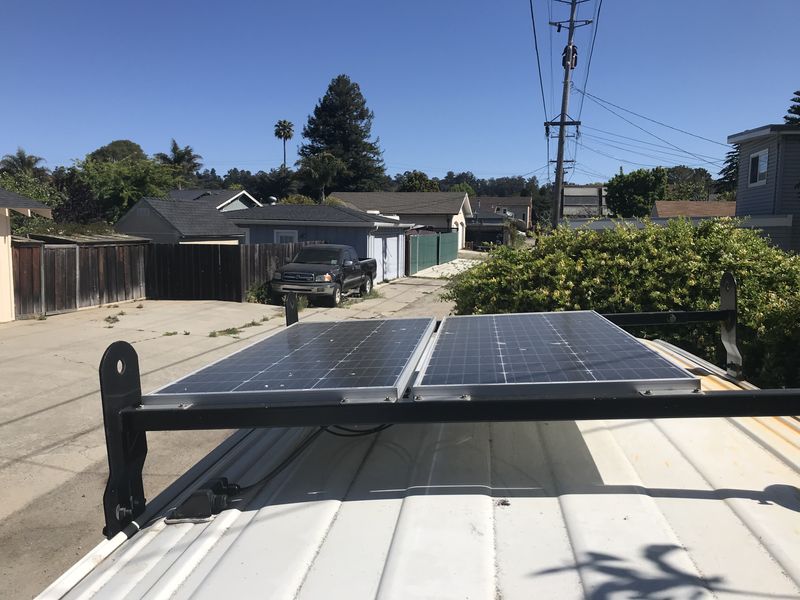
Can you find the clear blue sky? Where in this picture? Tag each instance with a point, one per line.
(453, 83)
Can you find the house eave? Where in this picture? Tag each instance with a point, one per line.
(759, 132)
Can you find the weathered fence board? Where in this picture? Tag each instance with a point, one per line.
(212, 271)
(52, 279)
(28, 275)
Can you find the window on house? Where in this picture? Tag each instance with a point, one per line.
(758, 168)
(285, 236)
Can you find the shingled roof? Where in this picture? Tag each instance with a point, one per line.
(20, 203)
(193, 219)
(305, 213)
(408, 203)
(218, 198)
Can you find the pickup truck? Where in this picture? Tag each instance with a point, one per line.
(325, 271)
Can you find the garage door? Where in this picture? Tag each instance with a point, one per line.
(390, 258)
(376, 252)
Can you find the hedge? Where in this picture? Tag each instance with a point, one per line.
(655, 268)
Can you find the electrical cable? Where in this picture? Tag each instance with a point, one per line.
(350, 432)
(538, 63)
(654, 147)
(597, 98)
(663, 156)
(285, 462)
(591, 53)
(638, 126)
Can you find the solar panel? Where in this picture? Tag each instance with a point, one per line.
(343, 361)
(563, 354)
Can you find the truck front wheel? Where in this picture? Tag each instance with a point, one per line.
(336, 296)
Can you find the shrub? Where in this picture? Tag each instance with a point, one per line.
(258, 294)
(677, 267)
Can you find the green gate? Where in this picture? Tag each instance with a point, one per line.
(448, 247)
(422, 252)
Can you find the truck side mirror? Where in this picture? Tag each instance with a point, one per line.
(348, 263)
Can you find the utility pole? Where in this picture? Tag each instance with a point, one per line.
(569, 59)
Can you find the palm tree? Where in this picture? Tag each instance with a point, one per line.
(184, 158)
(21, 162)
(284, 130)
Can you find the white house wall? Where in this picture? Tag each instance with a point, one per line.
(6, 268)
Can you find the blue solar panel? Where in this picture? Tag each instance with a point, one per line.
(342, 361)
(527, 355)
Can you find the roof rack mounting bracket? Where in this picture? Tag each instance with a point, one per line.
(728, 303)
(120, 387)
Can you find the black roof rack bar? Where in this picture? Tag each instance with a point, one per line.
(127, 421)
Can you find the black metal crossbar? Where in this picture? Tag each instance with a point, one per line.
(127, 420)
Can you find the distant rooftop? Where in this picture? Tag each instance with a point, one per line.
(193, 219)
(321, 213)
(407, 203)
(21, 203)
(686, 208)
(764, 130)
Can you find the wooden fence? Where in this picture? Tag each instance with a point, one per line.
(211, 271)
(56, 278)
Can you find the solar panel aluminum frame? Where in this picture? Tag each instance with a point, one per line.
(294, 397)
(546, 390)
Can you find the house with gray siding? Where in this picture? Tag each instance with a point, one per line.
(372, 236)
(768, 188)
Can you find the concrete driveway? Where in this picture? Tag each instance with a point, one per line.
(52, 449)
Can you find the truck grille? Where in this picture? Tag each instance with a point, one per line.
(298, 276)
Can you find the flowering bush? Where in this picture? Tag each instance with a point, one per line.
(676, 267)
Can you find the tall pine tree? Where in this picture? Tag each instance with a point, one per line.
(342, 126)
(729, 173)
(793, 114)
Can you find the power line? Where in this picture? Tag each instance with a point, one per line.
(596, 98)
(634, 150)
(603, 106)
(639, 140)
(550, 32)
(538, 64)
(596, 151)
(591, 52)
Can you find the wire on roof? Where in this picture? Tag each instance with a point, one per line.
(285, 462)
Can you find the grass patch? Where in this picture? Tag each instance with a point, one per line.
(111, 319)
(121, 313)
(186, 333)
(252, 323)
(41, 317)
(232, 331)
(140, 305)
(265, 318)
(169, 333)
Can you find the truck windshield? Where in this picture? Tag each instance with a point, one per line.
(318, 256)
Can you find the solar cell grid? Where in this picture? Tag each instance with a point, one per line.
(310, 357)
(540, 348)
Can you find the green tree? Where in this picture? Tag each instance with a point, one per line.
(342, 126)
(415, 181)
(686, 183)
(185, 159)
(284, 130)
(320, 170)
(463, 187)
(117, 186)
(634, 194)
(297, 199)
(116, 151)
(729, 174)
(793, 113)
(22, 162)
